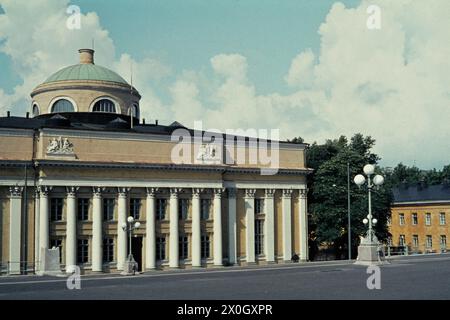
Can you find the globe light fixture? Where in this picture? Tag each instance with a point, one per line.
(378, 180)
(130, 219)
(365, 221)
(374, 221)
(359, 180)
(137, 224)
(369, 169)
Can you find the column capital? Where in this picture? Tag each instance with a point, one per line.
(270, 193)
(196, 192)
(123, 191)
(231, 192)
(16, 191)
(303, 193)
(151, 192)
(250, 193)
(218, 192)
(44, 190)
(72, 191)
(174, 192)
(97, 191)
(287, 193)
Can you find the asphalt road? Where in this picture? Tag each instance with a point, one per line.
(413, 277)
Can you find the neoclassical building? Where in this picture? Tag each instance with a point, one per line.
(84, 161)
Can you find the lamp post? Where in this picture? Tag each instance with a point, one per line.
(368, 248)
(130, 265)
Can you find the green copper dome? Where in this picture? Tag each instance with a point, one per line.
(85, 71)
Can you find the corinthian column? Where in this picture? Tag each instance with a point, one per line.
(150, 261)
(97, 239)
(71, 230)
(217, 226)
(287, 230)
(43, 218)
(15, 221)
(269, 232)
(232, 229)
(121, 234)
(196, 231)
(173, 236)
(303, 224)
(249, 199)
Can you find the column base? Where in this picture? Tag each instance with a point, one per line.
(253, 263)
(271, 262)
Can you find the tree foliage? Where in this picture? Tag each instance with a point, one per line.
(328, 192)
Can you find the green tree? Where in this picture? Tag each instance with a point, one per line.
(328, 192)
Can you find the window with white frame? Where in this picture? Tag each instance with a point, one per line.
(443, 241)
(183, 205)
(415, 240)
(414, 219)
(161, 209)
(82, 250)
(442, 218)
(428, 219)
(259, 237)
(183, 245)
(83, 209)
(259, 206)
(104, 105)
(108, 209)
(205, 209)
(135, 208)
(205, 246)
(56, 209)
(108, 250)
(161, 248)
(401, 219)
(429, 241)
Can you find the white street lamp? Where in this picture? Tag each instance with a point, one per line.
(129, 226)
(368, 248)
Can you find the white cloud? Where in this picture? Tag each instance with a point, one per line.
(391, 83)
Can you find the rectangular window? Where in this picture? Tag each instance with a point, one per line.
(160, 248)
(442, 218)
(205, 247)
(259, 206)
(57, 243)
(259, 237)
(205, 208)
(83, 209)
(56, 209)
(108, 250)
(183, 245)
(183, 205)
(415, 240)
(160, 209)
(82, 250)
(135, 208)
(429, 241)
(108, 209)
(414, 219)
(443, 242)
(401, 218)
(428, 219)
(402, 241)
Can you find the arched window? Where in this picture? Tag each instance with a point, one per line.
(134, 110)
(104, 105)
(35, 110)
(62, 105)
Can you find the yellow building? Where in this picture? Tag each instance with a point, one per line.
(419, 218)
(72, 174)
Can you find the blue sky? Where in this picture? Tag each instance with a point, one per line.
(310, 68)
(186, 34)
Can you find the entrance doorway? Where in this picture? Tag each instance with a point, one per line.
(136, 248)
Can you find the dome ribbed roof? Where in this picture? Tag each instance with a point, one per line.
(85, 71)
